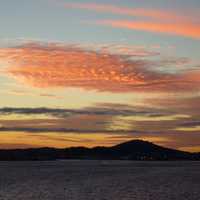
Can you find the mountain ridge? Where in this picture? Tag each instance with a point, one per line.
(130, 150)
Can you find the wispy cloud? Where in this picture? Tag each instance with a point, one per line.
(150, 20)
(182, 29)
(121, 10)
(27, 93)
(102, 109)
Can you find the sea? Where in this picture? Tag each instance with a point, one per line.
(99, 180)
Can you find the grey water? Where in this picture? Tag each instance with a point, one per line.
(99, 180)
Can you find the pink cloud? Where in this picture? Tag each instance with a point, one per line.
(181, 29)
(150, 20)
(121, 10)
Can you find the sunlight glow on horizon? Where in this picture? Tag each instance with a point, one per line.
(99, 73)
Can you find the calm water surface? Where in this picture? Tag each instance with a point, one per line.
(99, 180)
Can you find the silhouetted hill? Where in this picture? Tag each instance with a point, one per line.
(132, 150)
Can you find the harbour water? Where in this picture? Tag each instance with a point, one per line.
(99, 180)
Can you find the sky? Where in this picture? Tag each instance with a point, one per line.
(90, 73)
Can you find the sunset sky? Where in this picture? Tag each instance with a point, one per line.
(88, 73)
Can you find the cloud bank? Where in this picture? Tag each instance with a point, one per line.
(105, 124)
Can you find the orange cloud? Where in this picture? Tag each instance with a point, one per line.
(182, 29)
(54, 65)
